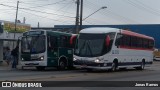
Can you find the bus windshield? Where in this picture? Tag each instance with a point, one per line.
(93, 45)
(89, 45)
(33, 44)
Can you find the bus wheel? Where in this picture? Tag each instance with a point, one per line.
(40, 68)
(62, 65)
(142, 65)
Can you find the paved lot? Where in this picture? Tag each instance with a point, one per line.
(31, 74)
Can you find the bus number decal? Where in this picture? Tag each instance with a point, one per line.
(115, 51)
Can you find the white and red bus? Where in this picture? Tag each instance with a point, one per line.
(112, 48)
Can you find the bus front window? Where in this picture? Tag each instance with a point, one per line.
(92, 45)
(33, 44)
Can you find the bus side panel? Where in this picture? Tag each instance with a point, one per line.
(52, 60)
(68, 53)
(128, 57)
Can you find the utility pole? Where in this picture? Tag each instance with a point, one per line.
(81, 16)
(38, 25)
(24, 20)
(16, 21)
(77, 18)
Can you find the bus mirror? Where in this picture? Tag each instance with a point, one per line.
(72, 40)
(107, 41)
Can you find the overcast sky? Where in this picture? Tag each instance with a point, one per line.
(62, 12)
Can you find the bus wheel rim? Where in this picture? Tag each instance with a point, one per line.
(62, 65)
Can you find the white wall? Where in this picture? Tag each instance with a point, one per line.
(7, 40)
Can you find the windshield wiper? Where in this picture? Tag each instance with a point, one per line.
(33, 48)
(89, 48)
(82, 47)
(28, 43)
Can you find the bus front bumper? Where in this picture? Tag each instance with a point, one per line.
(91, 67)
(31, 63)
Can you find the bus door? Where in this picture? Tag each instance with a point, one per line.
(25, 48)
(52, 52)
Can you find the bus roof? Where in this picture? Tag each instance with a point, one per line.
(108, 29)
(99, 30)
(50, 31)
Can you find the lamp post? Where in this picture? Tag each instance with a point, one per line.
(94, 12)
(77, 17)
(90, 15)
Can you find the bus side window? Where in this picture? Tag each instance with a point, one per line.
(127, 41)
(145, 43)
(52, 42)
(151, 44)
(109, 38)
(118, 39)
(134, 42)
(63, 41)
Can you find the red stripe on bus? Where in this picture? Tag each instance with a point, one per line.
(130, 33)
(134, 48)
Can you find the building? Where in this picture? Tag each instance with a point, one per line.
(8, 34)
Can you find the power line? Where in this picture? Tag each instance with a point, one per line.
(50, 8)
(48, 4)
(114, 15)
(6, 12)
(30, 3)
(37, 11)
(67, 4)
(35, 1)
(143, 7)
(104, 14)
(45, 17)
(7, 9)
(67, 7)
(88, 6)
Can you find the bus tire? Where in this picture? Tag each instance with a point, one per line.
(40, 68)
(142, 65)
(62, 65)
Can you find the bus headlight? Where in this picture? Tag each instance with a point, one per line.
(97, 60)
(42, 58)
(74, 59)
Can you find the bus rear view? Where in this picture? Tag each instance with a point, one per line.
(109, 49)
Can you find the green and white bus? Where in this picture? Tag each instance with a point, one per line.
(44, 48)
